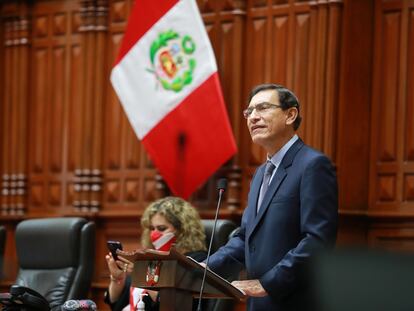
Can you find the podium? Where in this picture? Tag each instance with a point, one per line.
(177, 278)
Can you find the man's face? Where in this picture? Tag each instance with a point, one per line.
(267, 127)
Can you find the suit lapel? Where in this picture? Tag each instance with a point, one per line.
(273, 187)
(277, 180)
(255, 187)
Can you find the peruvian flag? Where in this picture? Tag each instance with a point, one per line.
(166, 79)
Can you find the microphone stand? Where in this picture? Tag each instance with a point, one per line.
(221, 186)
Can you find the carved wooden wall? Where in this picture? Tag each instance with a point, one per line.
(391, 188)
(68, 149)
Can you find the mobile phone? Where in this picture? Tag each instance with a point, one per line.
(113, 246)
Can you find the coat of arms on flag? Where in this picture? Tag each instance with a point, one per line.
(166, 79)
(171, 60)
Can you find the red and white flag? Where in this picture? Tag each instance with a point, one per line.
(166, 79)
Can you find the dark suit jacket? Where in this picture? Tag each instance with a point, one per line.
(298, 217)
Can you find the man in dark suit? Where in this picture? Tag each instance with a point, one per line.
(292, 208)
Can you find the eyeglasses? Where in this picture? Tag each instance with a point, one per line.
(260, 108)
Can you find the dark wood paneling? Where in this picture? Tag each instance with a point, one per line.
(67, 147)
(15, 111)
(409, 115)
(354, 105)
(391, 168)
(5, 116)
(392, 234)
(388, 92)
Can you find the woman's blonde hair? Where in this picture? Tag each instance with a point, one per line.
(185, 219)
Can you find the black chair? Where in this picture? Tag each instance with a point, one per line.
(225, 229)
(3, 233)
(56, 257)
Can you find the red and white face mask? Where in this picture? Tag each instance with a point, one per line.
(162, 241)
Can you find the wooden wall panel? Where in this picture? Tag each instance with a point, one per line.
(114, 117)
(67, 147)
(75, 108)
(301, 78)
(38, 112)
(388, 101)
(408, 195)
(9, 262)
(391, 181)
(278, 64)
(55, 134)
(391, 236)
(52, 73)
(124, 161)
(14, 111)
(354, 106)
(14, 104)
(391, 115)
(255, 56)
(334, 42)
(88, 175)
(5, 120)
(3, 24)
(409, 115)
(386, 189)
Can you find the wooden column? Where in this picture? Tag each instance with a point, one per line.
(354, 106)
(88, 173)
(5, 120)
(233, 90)
(320, 98)
(14, 116)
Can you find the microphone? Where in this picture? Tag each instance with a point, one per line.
(79, 305)
(221, 187)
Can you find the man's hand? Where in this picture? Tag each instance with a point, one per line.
(251, 288)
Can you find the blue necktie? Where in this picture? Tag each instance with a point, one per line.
(265, 184)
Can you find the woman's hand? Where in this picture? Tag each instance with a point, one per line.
(120, 268)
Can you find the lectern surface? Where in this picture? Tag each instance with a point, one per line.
(171, 270)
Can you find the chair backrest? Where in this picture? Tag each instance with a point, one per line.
(2, 248)
(225, 229)
(56, 257)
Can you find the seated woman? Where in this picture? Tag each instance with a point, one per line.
(168, 221)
